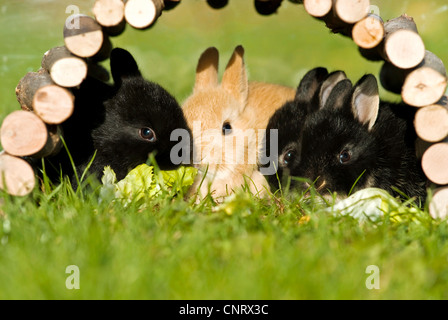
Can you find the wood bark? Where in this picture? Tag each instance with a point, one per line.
(84, 37)
(427, 83)
(37, 92)
(402, 46)
(420, 86)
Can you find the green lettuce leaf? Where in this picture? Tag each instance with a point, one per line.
(142, 183)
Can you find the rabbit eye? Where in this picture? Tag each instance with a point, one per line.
(345, 156)
(226, 128)
(288, 156)
(148, 134)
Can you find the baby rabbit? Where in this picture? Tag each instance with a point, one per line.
(286, 123)
(225, 119)
(353, 137)
(122, 123)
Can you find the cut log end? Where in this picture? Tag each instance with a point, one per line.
(405, 49)
(369, 32)
(423, 86)
(83, 36)
(438, 207)
(23, 133)
(108, 13)
(434, 163)
(317, 8)
(16, 175)
(85, 45)
(141, 14)
(431, 122)
(351, 11)
(53, 104)
(66, 69)
(69, 72)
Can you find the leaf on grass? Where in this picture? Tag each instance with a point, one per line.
(142, 182)
(372, 204)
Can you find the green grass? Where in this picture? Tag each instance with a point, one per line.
(288, 248)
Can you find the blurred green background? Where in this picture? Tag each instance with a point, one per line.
(279, 48)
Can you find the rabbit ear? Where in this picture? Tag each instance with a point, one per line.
(310, 84)
(328, 86)
(207, 69)
(234, 79)
(339, 97)
(122, 66)
(366, 100)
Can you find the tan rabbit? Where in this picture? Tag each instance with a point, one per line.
(228, 122)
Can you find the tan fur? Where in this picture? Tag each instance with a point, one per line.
(247, 107)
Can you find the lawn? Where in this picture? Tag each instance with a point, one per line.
(168, 247)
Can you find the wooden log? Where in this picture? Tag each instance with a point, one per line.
(217, 4)
(23, 133)
(16, 175)
(84, 37)
(427, 83)
(267, 7)
(351, 11)
(431, 122)
(402, 46)
(339, 15)
(36, 92)
(98, 72)
(420, 86)
(115, 30)
(28, 86)
(65, 69)
(105, 50)
(435, 163)
(141, 14)
(438, 208)
(368, 32)
(108, 13)
(53, 104)
(317, 8)
(421, 146)
(392, 78)
(54, 143)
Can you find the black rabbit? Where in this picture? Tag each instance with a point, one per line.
(122, 123)
(312, 92)
(352, 137)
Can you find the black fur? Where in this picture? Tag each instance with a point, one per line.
(108, 119)
(382, 155)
